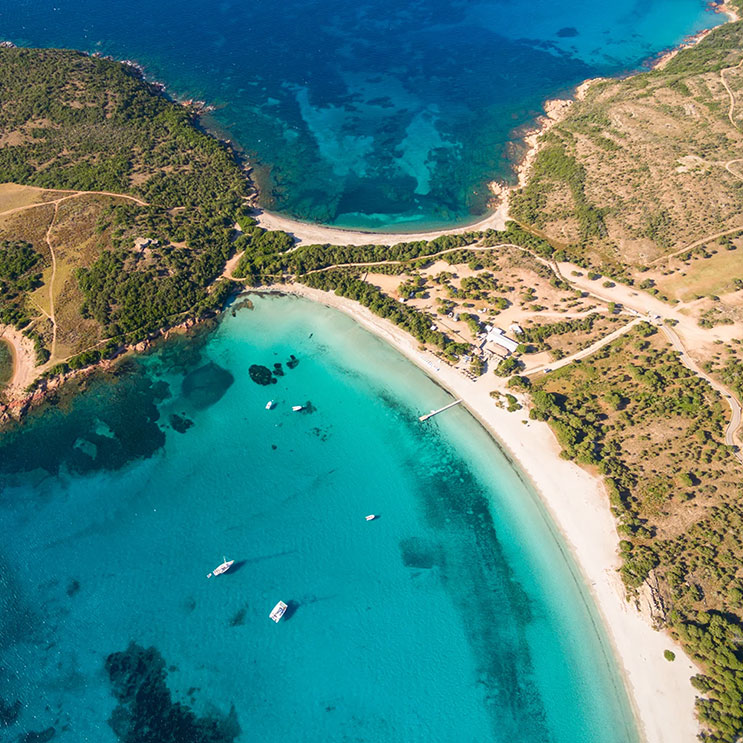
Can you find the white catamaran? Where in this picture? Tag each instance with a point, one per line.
(223, 568)
(278, 611)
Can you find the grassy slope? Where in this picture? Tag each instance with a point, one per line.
(636, 169)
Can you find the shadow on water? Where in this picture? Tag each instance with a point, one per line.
(237, 566)
(291, 609)
(240, 564)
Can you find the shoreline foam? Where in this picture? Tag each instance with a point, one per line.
(660, 693)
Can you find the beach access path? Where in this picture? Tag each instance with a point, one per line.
(662, 697)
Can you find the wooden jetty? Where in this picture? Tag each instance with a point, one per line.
(440, 410)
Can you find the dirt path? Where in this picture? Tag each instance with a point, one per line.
(655, 311)
(731, 110)
(72, 195)
(697, 243)
(582, 354)
(689, 362)
(52, 316)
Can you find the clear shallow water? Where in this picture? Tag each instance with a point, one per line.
(454, 617)
(373, 114)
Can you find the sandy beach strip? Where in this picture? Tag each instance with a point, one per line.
(660, 692)
(318, 234)
(24, 361)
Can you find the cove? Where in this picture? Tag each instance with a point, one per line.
(376, 114)
(456, 615)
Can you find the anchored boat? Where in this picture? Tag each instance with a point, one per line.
(223, 568)
(371, 517)
(278, 611)
(297, 408)
(270, 404)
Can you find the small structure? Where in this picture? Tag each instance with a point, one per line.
(516, 328)
(498, 337)
(495, 349)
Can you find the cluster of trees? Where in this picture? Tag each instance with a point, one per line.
(419, 324)
(554, 165)
(132, 297)
(19, 274)
(538, 334)
(264, 261)
(93, 124)
(508, 366)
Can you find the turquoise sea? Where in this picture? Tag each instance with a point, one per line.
(455, 616)
(374, 113)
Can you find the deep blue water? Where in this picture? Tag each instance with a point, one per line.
(456, 616)
(375, 113)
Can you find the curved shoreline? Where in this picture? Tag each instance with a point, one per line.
(660, 693)
(554, 111)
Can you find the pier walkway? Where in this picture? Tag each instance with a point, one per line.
(440, 410)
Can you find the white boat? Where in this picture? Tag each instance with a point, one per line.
(297, 408)
(371, 517)
(278, 611)
(223, 568)
(270, 404)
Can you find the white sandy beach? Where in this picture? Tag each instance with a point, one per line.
(660, 691)
(306, 232)
(24, 360)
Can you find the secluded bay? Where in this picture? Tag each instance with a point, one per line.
(375, 113)
(454, 616)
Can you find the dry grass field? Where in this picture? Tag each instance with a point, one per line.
(648, 165)
(72, 231)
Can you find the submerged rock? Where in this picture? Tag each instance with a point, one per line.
(206, 385)
(261, 374)
(73, 587)
(146, 711)
(180, 423)
(9, 712)
(43, 737)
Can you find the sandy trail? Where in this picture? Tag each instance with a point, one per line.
(685, 335)
(71, 195)
(584, 353)
(52, 316)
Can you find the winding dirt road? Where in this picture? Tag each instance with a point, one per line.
(655, 311)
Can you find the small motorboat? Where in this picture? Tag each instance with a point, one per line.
(297, 408)
(278, 611)
(223, 568)
(270, 404)
(371, 517)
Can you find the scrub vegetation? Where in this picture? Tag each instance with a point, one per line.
(643, 166)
